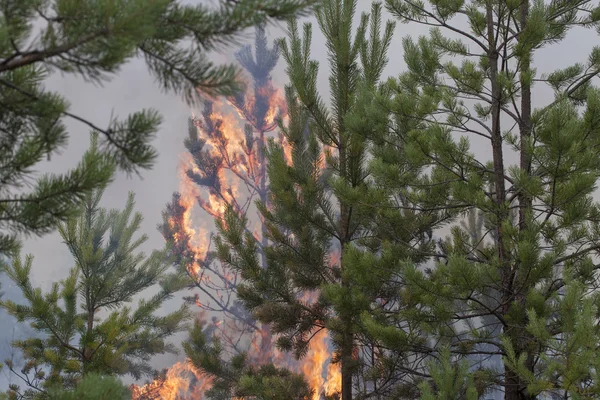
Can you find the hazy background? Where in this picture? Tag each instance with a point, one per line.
(135, 89)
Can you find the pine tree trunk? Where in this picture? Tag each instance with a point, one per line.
(263, 191)
(525, 203)
(347, 344)
(511, 380)
(346, 376)
(87, 351)
(525, 123)
(497, 153)
(347, 360)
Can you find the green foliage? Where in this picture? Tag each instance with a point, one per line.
(447, 309)
(570, 364)
(93, 40)
(85, 322)
(322, 203)
(450, 382)
(506, 292)
(54, 197)
(465, 215)
(236, 378)
(270, 383)
(94, 387)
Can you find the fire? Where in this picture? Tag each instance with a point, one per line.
(277, 106)
(272, 98)
(189, 193)
(235, 178)
(183, 381)
(333, 383)
(232, 135)
(176, 384)
(313, 365)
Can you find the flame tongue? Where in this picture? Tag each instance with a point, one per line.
(313, 363)
(183, 381)
(234, 179)
(180, 381)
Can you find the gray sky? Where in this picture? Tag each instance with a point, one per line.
(134, 89)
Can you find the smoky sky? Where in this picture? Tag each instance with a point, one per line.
(134, 89)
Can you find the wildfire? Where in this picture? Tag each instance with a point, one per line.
(333, 383)
(277, 106)
(232, 135)
(266, 96)
(313, 366)
(189, 193)
(182, 380)
(235, 178)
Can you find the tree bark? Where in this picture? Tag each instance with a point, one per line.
(87, 351)
(511, 380)
(346, 376)
(525, 122)
(347, 344)
(525, 203)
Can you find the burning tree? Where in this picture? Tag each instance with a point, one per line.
(225, 167)
(315, 216)
(288, 269)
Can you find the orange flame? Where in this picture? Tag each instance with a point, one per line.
(240, 174)
(312, 367)
(189, 193)
(287, 149)
(333, 383)
(176, 384)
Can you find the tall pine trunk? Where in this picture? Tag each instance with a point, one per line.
(511, 380)
(347, 343)
(525, 203)
(309, 213)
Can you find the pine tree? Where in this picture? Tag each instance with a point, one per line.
(531, 277)
(12, 330)
(85, 322)
(92, 40)
(91, 387)
(309, 215)
(229, 174)
(452, 381)
(94, 387)
(236, 377)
